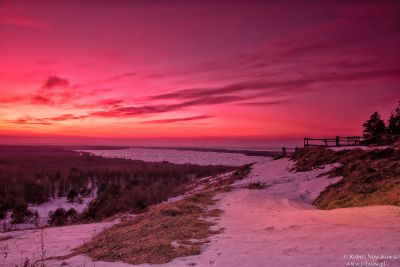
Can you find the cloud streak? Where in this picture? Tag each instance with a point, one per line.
(12, 13)
(281, 87)
(175, 120)
(47, 120)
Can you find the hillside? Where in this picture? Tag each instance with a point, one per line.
(370, 177)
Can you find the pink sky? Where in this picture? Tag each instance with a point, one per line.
(220, 70)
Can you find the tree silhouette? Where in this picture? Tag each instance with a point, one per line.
(394, 121)
(374, 128)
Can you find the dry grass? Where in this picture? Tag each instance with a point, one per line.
(165, 232)
(358, 195)
(312, 157)
(239, 174)
(256, 186)
(221, 183)
(369, 177)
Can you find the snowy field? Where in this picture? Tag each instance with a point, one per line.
(16, 246)
(276, 226)
(180, 156)
(43, 212)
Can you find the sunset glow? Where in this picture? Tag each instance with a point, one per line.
(196, 69)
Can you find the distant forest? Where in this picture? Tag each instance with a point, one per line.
(33, 174)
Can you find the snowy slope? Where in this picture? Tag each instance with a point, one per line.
(18, 245)
(278, 226)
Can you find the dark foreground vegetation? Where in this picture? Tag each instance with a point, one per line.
(370, 177)
(33, 174)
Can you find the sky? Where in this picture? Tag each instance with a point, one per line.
(202, 71)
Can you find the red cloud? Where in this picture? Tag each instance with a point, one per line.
(55, 81)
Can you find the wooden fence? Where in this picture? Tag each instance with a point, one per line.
(334, 142)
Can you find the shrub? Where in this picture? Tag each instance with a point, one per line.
(20, 213)
(72, 195)
(61, 217)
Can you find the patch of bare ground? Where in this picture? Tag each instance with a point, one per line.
(220, 181)
(256, 186)
(370, 177)
(165, 232)
(3, 238)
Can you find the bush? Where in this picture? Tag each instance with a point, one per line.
(85, 192)
(20, 213)
(62, 217)
(72, 195)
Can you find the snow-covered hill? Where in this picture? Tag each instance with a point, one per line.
(274, 226)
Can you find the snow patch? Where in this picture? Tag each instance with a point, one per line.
(43, 212)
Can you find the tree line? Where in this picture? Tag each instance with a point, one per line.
(33, 175)
(376, 131)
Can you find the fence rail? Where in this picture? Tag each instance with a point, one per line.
(334, 142)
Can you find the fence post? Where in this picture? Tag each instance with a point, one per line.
(337, 141)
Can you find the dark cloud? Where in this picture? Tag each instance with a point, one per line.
(47, 120)
(265, 103)
(65, 117)
(185, 119)
(55, 81)
(41, 100)
(131, 111)
(30, 120)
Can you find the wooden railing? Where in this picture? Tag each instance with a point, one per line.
(334, 142)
